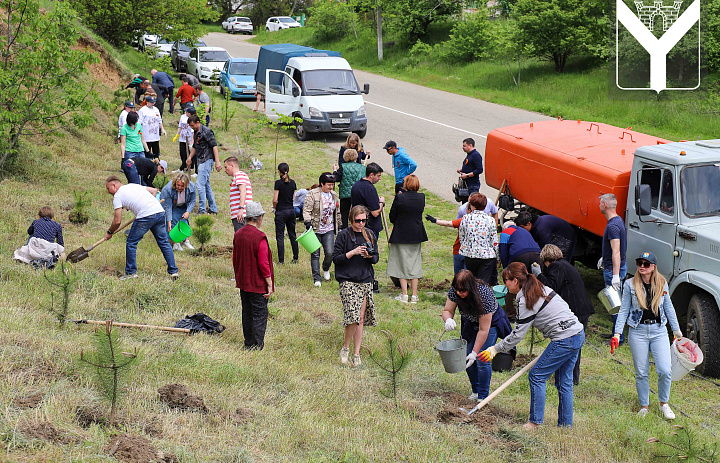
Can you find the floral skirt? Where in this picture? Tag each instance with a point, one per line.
(352, 296)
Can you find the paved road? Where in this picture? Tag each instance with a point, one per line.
(430, 124)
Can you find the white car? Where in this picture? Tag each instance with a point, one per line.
(280, 22)
(147, 41)
(226, 24)
(205, 63)
(242, 24)
(162, 47)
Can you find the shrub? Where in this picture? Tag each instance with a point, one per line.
(471, 39)
(420, 50)
(331, 20)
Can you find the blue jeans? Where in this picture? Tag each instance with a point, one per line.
(298, 212)
(203, 187)
(171, 99)
(133, 154)
(607, 276)
(643, 340)
(458, 263)
(559, 357)
(479, 372)
(327, 240)
(130, 170)
(157, 224)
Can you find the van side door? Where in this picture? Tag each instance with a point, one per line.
(279, 98)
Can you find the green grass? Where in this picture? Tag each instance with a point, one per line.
(305, 406)
(582, 92)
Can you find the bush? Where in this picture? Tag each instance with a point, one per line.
(420, 50)
(471, 39)
(331, 20)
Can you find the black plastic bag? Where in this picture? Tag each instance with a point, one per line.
(200, 322)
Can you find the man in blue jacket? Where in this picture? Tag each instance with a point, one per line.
(402, 163)
(163, 78)
(472, 166)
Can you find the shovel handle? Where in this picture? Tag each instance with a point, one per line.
(104, 239)
(504, 385)
(133, 325)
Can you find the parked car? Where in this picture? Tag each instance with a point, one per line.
(162, 47)
(147, 40)
(280, 22)
(238, 77)
(179, 54)
(226, 24)
(243, 25)
(205, 63)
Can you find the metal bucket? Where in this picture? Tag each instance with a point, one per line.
(610, 299)
(452, 353)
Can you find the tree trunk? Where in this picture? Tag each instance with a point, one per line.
(379, 33)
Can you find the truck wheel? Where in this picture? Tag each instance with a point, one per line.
(703, 327)
(361, 133)
(301, 133)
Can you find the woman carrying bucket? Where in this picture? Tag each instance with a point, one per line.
(646, 308)
(541, 307)
(179, 200)
(480, 323)
(354, 254)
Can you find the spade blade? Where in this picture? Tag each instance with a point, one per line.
(78, 255)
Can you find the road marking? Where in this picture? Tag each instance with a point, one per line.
(426, 120)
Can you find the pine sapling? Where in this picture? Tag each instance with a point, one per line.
(684, 445)
(79, 213)
(203, 230)
(65, 279)
(397, 359)
(111, 364)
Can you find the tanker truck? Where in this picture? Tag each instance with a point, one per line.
(668, 196)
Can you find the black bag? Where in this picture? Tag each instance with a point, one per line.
(461, 191)
(200, 322)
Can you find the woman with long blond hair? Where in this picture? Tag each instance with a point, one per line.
(646, 308)
(353, 142)
(354, 255)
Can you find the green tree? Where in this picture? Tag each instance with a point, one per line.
(471, 39)
(410, 19)
(331, 19)
(557, 29)
(41, 73)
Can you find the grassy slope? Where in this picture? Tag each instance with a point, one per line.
(306, 407)
(579, 93)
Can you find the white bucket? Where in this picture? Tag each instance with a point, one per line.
(681, 366)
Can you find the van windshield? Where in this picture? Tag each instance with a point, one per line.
(701, 190)
(330, 82)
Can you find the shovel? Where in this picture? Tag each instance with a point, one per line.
(502, 387)
(132, 325)
(395, 280)
(81, 253)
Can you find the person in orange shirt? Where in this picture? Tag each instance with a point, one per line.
(185, 94)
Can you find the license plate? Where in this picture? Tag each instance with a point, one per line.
(340, 121)
(248, 90)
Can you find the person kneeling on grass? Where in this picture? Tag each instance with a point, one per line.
(541, 307)
(646, 308)
(179, 200)
(252, 262)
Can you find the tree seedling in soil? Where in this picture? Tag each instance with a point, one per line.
(226, 113)
(111, 365)
(79, 214)
(64, 279)
(396, 360)
(203, 230)
(684, 446)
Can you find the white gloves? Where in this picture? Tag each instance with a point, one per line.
(471, 357)
(616, 284)
(535, 269)
(450, 324)
(678, 334)
(600, 265)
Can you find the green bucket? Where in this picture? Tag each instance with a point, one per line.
(180, 232)
(500, 293)
(309, 241)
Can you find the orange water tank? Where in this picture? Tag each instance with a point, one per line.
(562, 167)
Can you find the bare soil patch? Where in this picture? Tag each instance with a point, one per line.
(136, 449)
(179, 396)
(522, 359)
(107, 71)
(30, 401)
(324, 318)
(487, 418)
(212, 250)
(87, 416)
(241, 415)
(45, 430)
(109, 271)
(427, 283)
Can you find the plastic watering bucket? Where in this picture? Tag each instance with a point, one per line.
(452, 353)
(180, 232)
(681, 365)
(309, 241)
(500, 293)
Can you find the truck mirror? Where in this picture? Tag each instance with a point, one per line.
(295, 91)
(643, 199)
(366, 89)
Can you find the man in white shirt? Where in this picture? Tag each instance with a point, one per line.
(129, 107)
(151, 121)
(149, 216)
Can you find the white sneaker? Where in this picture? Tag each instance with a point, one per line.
(667, 413)
(356, 362)
(187, 244)
(177, 247)
(473, 396)
(643, 412)
(344, 355)
(402, 298)
(414, 299)
(326, 274)
(318, 284)
(194, 176)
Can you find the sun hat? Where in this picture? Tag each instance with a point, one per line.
(253, 209)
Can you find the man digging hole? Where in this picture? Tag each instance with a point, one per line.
(149, 216)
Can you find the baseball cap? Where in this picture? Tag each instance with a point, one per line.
(390, 144)
(129, 104)
(164, 165)
(150, 99)
(190, 109)
(648, 256)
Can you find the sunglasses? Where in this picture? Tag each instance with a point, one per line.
(644, 263)
(360, 220)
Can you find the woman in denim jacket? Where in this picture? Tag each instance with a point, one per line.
(646, 308)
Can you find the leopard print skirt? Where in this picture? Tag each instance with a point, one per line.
(352, 296)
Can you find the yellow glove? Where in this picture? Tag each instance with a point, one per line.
(487, 354)
(175, 138)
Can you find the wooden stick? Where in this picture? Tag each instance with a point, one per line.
(133, 325)
(502, 387)
(502, 188)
